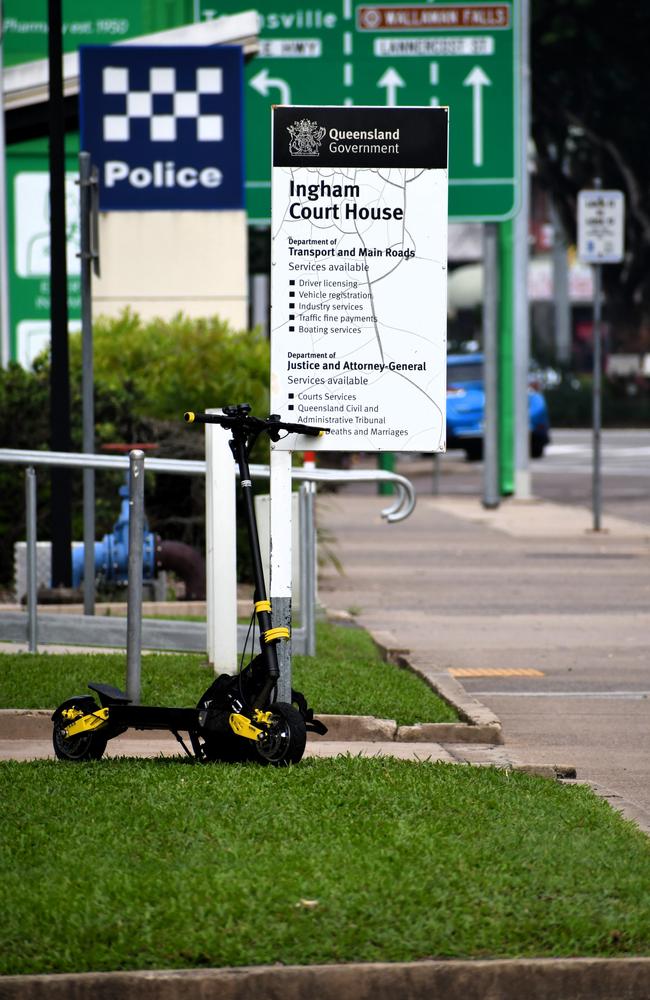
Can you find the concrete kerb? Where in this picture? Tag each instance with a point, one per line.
(480, 725)
(534, 979)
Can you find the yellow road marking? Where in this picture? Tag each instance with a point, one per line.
(498, 672)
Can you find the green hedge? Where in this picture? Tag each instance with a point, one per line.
(624, 403)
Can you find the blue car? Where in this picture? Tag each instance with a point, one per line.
(466, 403)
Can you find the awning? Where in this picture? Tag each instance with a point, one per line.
(26, 92)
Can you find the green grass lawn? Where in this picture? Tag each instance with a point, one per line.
(137, 864)
(347, 676)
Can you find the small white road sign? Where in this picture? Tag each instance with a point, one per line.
(601, 217)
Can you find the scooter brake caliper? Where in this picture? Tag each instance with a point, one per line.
(82, 723)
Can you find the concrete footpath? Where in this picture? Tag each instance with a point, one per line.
(543, 621)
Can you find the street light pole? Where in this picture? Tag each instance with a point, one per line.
(5, 316)
(59, 366)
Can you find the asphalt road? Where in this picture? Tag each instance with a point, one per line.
(563, 475)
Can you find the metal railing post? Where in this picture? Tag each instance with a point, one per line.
(32, 594)
(134, 597)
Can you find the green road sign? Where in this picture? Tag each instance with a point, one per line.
(463, 55)
(28, 217)
(85, 22)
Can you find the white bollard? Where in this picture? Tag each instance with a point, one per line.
(221, 550)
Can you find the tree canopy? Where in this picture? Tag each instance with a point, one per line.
(590, 69)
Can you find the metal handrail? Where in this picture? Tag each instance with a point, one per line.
(403, 506)
(398, 511)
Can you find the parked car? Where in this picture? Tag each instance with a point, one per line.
(466, 405)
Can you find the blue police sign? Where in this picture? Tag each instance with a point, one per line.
(163, 125)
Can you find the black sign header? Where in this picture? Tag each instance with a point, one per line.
(306, 136)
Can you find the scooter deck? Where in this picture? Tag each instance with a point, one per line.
(123, 714)
(153, 717)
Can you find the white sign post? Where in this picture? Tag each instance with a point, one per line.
(359, 280)
(600, 241)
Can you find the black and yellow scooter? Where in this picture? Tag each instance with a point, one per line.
(237, 718)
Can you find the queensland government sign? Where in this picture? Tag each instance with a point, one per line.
(359, 268)
(164, 126)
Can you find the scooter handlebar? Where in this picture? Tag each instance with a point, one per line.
(309, 429)
(272, 425)
(205, 418)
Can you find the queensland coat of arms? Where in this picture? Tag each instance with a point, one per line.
(306, 137)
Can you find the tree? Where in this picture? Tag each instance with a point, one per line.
(590, 69)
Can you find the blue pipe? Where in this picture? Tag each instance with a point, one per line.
(112, 553)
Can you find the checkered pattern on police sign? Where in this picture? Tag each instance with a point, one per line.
(183, 104)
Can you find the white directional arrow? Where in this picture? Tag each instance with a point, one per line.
(391, 80)
(477, 79)
(262, 83)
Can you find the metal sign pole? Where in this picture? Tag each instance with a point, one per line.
(521, 340)
(280, 562)
(601, 218)
(490, 368)
(597, 399)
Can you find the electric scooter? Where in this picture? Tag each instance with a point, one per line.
(237, 719)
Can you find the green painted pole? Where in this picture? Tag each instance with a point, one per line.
(506, 360)
(386, 461)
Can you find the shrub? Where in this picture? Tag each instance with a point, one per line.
(24, 423)
(624, 404)
(159, 369)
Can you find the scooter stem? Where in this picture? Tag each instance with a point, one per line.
(239, 449)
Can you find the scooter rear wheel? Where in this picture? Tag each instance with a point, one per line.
(85, 746)
(284, 742)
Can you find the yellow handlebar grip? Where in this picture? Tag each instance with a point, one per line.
(189, 416)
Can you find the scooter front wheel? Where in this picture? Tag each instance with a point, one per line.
(284, 741)
(85, 746)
